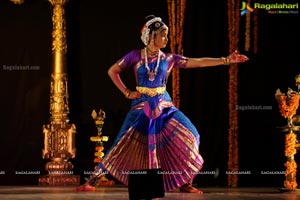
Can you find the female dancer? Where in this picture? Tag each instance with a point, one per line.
(155, 134)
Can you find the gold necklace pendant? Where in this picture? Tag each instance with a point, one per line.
(151, 75)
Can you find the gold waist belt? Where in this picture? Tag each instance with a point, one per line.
(151, 91)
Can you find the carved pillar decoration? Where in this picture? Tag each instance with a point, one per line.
(59, 135)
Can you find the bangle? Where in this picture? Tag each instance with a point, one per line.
(226, 60)
(127, 93)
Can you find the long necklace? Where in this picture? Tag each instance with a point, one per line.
(153, 73)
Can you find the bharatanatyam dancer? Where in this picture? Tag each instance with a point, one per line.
(155, 134)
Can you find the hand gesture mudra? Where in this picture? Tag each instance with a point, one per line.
(235, 57)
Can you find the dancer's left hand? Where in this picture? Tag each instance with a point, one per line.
(235, 57)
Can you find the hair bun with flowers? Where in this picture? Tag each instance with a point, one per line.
(153, 23)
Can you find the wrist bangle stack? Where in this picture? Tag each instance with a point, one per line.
(127, 93)
(225, 60)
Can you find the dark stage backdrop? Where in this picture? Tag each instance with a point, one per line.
(99, 33)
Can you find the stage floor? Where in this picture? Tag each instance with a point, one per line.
(119, 192)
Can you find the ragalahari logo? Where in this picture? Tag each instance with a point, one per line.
(246, 8)
(271, 8)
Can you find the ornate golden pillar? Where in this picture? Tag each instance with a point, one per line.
(59, 135)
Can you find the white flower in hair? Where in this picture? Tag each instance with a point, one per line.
(151, 21)
(145, 35)
(146, 30)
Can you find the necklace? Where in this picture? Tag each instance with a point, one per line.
(153, 73)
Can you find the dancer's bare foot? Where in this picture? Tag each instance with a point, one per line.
(188, 188)
(85, 187)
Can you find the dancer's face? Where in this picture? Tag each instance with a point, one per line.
(161, 39)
